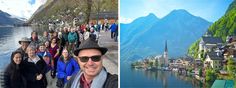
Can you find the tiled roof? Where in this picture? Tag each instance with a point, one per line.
(214, 56)
(212, 40)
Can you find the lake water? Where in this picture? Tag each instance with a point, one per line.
(9, 37)
(133, 78)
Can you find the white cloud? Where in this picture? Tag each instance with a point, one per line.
(20, 8)
(125, 20)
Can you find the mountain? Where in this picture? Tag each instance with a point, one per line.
(7, 19)
(138, 25)
(68, 9)
(147, 35)
(223, 27)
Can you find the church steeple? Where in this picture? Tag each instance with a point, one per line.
(166, 54)
(166, 49)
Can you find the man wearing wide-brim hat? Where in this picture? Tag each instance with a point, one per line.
(92, 73)
(24, 42)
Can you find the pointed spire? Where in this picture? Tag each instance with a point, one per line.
(166, 49)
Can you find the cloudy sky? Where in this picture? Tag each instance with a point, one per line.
(210, 10)
(20, 8)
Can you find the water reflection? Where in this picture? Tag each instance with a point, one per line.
(9, 37)
(168, 79)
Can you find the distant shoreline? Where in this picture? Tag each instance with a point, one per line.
(14, 25)
(7, 26)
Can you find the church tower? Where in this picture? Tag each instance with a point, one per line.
(166, 55)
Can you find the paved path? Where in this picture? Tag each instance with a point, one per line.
(111, 62)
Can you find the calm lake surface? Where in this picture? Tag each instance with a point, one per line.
(138, 78)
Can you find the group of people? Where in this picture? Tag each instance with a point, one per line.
(73, 57)
(96, 28)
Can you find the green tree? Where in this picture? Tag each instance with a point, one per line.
(231, 65)
(193, 50)
(210, 75)
(150, 64)
(200, 72)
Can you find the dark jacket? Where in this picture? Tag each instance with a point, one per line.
(31, 70)
(111, 81)
(13, 77)
(64, 38)
(48, 62)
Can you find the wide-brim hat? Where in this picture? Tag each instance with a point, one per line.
(90, 44)
(24, 39)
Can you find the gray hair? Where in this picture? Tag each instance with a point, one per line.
(32, 47)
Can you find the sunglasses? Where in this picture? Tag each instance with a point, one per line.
(95, 58)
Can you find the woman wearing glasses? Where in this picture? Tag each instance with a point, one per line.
(66, 66)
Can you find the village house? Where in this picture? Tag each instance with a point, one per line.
(188, 62)
(172, 63)
(197, 65)
(160, 60)
(208, 44)
(152, 61)
(213, 60)
(179, 63)
(230, 48)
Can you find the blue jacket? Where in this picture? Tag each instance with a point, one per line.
(113, 27)
(66, 69)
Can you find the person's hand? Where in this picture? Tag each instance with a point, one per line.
(39, 77)
(52, 74)
(54, 56)
(68, 77)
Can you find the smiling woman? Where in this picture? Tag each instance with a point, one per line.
(13, 77)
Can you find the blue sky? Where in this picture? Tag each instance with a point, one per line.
(32, 2)
(210, 10)
(20, 8)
